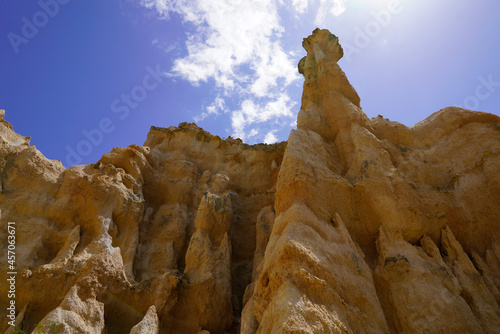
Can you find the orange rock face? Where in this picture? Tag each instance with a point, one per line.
(353, 225)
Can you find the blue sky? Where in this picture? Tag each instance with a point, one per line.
(81, 77)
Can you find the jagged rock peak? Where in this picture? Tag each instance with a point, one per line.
(323, 42)
(329, 102)
(158, 134)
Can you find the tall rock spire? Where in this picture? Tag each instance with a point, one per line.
(329, 102)
(360, 205)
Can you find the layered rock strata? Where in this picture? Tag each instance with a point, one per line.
(353, 225)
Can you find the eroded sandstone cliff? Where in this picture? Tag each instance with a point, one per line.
(353, 225)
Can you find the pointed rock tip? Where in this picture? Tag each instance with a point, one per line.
(329, 43)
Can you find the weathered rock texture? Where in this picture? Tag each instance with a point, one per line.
(351, 226)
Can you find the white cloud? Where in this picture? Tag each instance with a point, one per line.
(335, 7)
(271, 137)
(274, 64)
(238, 44)
(229, 34)
(170, 48)
(254, 132)
(159, 5)
(217, 106)
(338, 7)
(254, 113)
(167, 48)
(300, 6)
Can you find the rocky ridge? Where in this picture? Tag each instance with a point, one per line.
(353, 225)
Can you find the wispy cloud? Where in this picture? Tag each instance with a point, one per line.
(300, 5)
(237, 44)
(252, 113)
(217, 106)
(335, 7)
(167, 48)
(271, 137)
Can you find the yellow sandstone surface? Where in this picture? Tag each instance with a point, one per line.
(353, 225)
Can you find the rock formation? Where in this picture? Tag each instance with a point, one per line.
(353, 225)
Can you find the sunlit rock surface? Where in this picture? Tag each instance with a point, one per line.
(353, 225)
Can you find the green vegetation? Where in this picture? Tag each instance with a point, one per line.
(38, 329)
(53, 328)
(18, 331)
